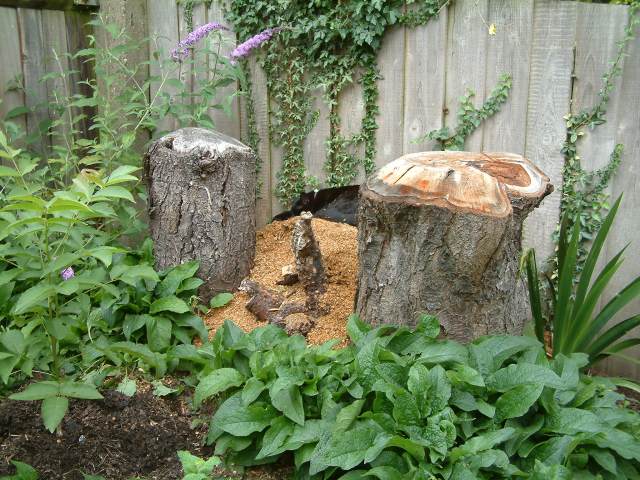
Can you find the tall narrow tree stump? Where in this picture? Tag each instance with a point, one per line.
(440, 233)
(202, 188)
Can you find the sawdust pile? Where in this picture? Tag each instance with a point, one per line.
(273, 251)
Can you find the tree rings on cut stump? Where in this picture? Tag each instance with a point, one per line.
(440, 233)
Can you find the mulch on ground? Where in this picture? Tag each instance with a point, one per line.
(338, 244)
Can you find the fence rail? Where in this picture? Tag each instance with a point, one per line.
(556, 52)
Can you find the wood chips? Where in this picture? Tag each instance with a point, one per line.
(338, 245)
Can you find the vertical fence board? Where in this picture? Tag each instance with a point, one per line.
(224, 123)
(549, 98)
(508, 53)
(261, 112)
(597, 31)
(627, 224)
(55, 61)
(466, 60)
(389, 137)
(164, 33)
(10, 59)
(351, 112)
(33, 68)
(315, 147)
(424, 94)
(81, 70)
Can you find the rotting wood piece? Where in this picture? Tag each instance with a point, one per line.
(440, 233)
(309, 266)
(270, 306)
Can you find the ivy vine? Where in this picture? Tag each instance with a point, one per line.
(584, 195)
(324, 45)
(470, 117)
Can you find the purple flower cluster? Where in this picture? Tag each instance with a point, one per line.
(246, 47)
(182, 50)
(67, 273)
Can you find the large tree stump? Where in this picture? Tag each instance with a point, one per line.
(202, 188)
(440, 233)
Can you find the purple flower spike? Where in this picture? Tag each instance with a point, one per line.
(67, 273)
(182, 50)
(246, 47)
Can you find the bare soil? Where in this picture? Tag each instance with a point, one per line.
(118, 437)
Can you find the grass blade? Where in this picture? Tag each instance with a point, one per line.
(594, 253)
(628, 293)
(585, 311)
(534, 294)
(614, 333)
(562, 318)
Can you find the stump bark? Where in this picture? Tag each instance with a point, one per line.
(440, 233)
(201, 187)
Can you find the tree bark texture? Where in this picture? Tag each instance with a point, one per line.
(440, 233)
(309, 266)
(202, 188)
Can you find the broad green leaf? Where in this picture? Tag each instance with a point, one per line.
(216, 382)
(158, 333)
(517, 401)
(127, 387)
(238, 419)
(133, 323)
(482, 442)
(169, 304)
(347, 415)
(570, 421)
(289, 402)
(174, 277)
(53, 410)
(274, 440)
(220, 300)
(523, 374)
(347, 449)
(38, 391)
(113, 192)
(252, 390)
(32, 297)
(79, 390)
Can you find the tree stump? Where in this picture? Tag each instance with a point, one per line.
(202, 187)
(440, 233)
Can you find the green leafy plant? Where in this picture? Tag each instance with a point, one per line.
(572, 318)
(196, 468)
(23, 472)
(470, 117)
(401, 404)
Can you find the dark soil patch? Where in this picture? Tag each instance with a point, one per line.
(118, 437)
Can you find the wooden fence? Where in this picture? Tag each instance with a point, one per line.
(556, 52)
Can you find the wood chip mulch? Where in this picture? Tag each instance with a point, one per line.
(338, 245)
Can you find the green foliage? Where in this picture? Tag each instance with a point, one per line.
(196, 468)
(400, 404)
(221, 299)
(470, 117)
(584, 195)
(23, 472)
(324, 46)
(572, 318)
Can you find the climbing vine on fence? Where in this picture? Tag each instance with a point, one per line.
(584, 193)
(323, 45)
(470, 117)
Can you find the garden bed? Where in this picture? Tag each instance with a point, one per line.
(118, 437)
(338, 244)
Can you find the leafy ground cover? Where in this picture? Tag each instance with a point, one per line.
(403, 405)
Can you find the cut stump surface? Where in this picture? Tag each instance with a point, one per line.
(440, 233)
